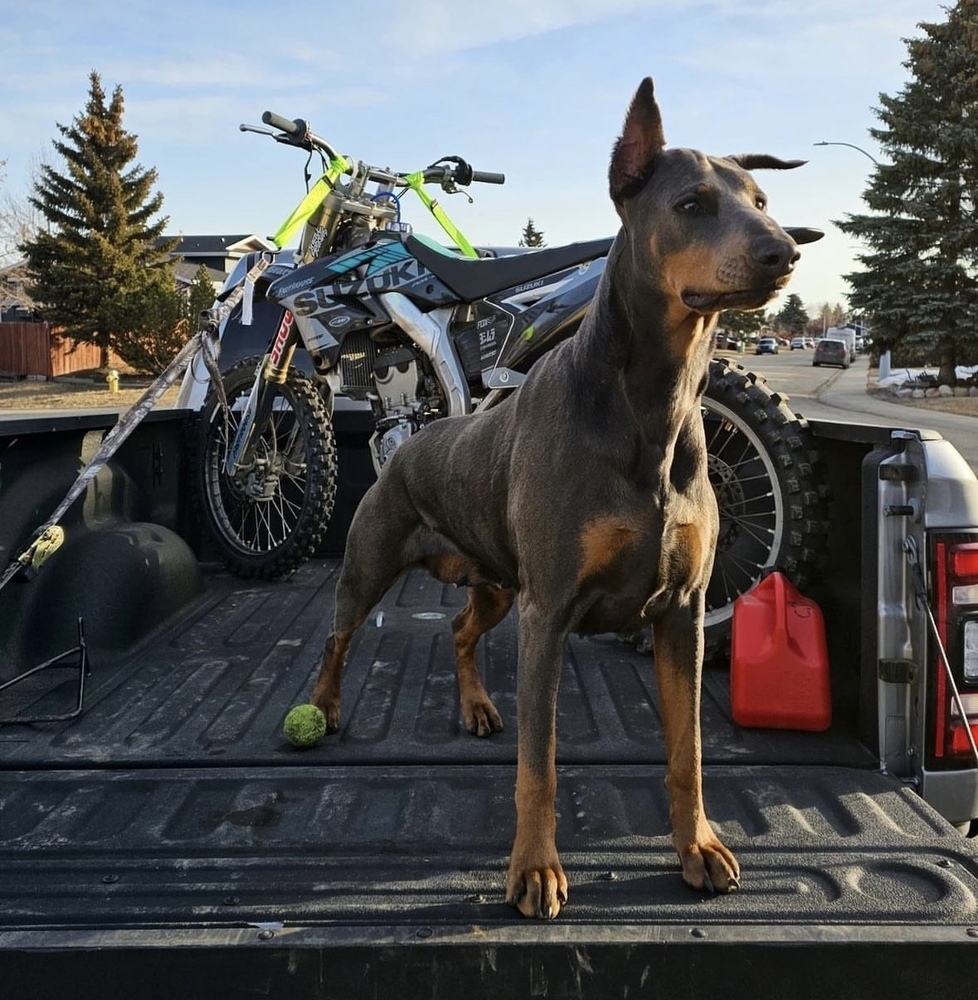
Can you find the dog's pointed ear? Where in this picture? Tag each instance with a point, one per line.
(640, 140)
(763, 161)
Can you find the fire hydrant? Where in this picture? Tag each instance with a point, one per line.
(113, 379)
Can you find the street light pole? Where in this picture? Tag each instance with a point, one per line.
(851, 146)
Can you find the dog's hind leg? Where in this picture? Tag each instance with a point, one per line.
(707, 863)
(375, 556)
(487, 606)
(356, 595)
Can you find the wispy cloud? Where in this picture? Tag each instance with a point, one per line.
(430, 27)
(536, 88)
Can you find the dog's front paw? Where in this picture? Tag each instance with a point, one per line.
(708, 864)
(481, 717)
(537, 892)
(331, 709)
(333, 719)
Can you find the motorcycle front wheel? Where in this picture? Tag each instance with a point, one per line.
(269, 516)
(773, 503)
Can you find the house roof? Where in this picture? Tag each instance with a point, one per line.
(185, 273)
(14, 269)
(219, 246)
(13, 279)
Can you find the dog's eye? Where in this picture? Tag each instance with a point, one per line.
(689, 205)
(760, 202)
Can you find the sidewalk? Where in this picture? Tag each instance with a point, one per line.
(845, 398)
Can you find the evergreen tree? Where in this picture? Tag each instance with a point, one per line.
(160, 318)
(153, 313)
(742, 324)
(101, 255)
(532, 237)
(919, 291)
(793, 318)
(200, 296)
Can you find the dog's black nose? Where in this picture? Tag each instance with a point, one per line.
(776, 256)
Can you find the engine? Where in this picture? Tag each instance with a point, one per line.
(404, 400)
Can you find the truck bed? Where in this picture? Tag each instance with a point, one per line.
(167, 842)
(169, 836)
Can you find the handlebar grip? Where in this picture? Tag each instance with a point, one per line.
(487, 177)
(296, 128)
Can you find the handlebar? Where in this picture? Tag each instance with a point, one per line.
(462, 173)
(449, 171)
(296, 132)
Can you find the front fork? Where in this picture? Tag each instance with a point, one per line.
(272, 371)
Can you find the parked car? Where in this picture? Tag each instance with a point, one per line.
(766, 345)
(727, 341)
(831, 352)
(798, 344)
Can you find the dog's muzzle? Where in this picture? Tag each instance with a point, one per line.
(774, 257)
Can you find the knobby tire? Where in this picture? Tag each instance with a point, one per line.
(268, 520)
(772, 498)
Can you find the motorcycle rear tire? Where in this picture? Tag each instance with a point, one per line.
(267, 520)
(772, 499)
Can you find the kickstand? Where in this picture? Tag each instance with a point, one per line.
(81, 652)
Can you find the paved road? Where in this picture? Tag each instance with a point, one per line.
(834, 394)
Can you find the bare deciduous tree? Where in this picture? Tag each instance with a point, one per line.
(19, 222)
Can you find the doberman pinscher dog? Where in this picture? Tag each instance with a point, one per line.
(584, 495)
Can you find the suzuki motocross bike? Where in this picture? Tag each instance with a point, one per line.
(368, 312)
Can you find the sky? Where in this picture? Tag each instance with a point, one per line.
(535, 89)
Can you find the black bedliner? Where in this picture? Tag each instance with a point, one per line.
(173, 815)
(179, 754)
(169, 843)
(212, 685)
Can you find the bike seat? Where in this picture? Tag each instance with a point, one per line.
(473, 278)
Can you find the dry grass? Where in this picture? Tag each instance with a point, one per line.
(88, 391)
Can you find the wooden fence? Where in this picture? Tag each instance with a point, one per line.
(33, 349)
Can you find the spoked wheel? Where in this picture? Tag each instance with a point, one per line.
(772, 503)
(268, 517)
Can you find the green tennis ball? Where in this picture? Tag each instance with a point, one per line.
(304, 726)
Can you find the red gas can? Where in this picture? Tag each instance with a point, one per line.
(779, 664)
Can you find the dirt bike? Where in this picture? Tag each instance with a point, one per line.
(368, 311)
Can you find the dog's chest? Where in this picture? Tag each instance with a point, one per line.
(631, 559)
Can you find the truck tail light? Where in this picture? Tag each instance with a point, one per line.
(955, 606)
(971, 652)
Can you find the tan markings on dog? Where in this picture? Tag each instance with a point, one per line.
(326, 693)
(733, 271)
(683, 562)
(450, 568)
(683, 778)
(704, 858)
(536, 883)
(601, 542)
(486, 607)
(687, 555)
(693, 268)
